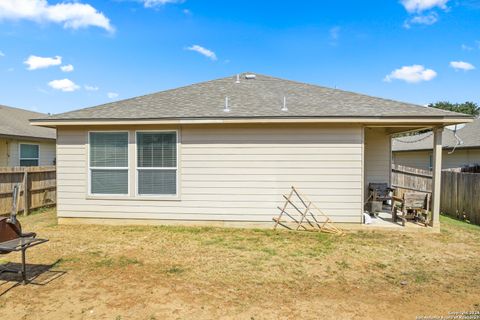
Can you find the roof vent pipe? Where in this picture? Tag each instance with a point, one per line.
(284, 108)
(226, 108)
(238, 79)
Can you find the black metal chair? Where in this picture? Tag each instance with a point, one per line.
(380, 192)
(13, 239)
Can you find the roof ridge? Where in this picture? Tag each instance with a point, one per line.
(21, 109)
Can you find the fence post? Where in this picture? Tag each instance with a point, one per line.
(25, 193)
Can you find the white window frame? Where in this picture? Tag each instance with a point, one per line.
(108, 168)
(137, 168)
(20, 153)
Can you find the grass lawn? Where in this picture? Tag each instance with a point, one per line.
(136, 272)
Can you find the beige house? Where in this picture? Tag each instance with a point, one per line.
(461, 147)
(224, 151)
(22, 144)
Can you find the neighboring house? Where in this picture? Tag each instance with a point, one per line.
(224, 151)
(416, 151)
(22, 144)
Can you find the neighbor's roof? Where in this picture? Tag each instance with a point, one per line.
(470, 135)
(14, 122)
(261, 97)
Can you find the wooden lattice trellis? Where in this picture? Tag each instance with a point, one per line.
(299, 212)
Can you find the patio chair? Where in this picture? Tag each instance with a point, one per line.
(13, 239)
(379, 193)
(413, 206)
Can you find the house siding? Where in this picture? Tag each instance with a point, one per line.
(234, 173)
(3, 153)
(377, 157)
(10, 152)
(421, 159)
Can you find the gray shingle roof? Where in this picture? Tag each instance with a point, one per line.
(15, 122)
(258, 98)
(470, 135)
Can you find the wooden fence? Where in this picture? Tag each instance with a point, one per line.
(460, 191)
(37, 187)
(460, 197)
(471, 169)
(406, 179)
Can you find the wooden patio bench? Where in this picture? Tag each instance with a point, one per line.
(413, 206)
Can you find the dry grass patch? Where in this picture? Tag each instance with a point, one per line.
(145, 272)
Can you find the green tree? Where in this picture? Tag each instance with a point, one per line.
(468, 107)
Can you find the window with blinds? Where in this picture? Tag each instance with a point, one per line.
(29, 155)
(157, 163)
(108, 163)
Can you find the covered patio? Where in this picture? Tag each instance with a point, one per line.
(378, 169)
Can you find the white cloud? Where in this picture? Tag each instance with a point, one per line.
(466, 48)
(36, 62)
(65, 85)
(112, 95)
(334, 35)
(72, 15)
(90, 88)
(155, 3)
(427, 19)
(203, 51)
(422, 5)
(67, 68)
(2, 54)
(416, 8)
(462, 65)
(411, 74)
(41, 90)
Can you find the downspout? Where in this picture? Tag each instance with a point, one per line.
(459, 141)
(8, 153)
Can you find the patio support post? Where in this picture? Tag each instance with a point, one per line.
(436, 175)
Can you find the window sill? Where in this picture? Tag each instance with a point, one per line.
(157, 198)
(134, 198)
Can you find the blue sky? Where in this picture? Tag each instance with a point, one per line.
(417, 51)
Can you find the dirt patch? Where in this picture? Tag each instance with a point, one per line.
(136, 272)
